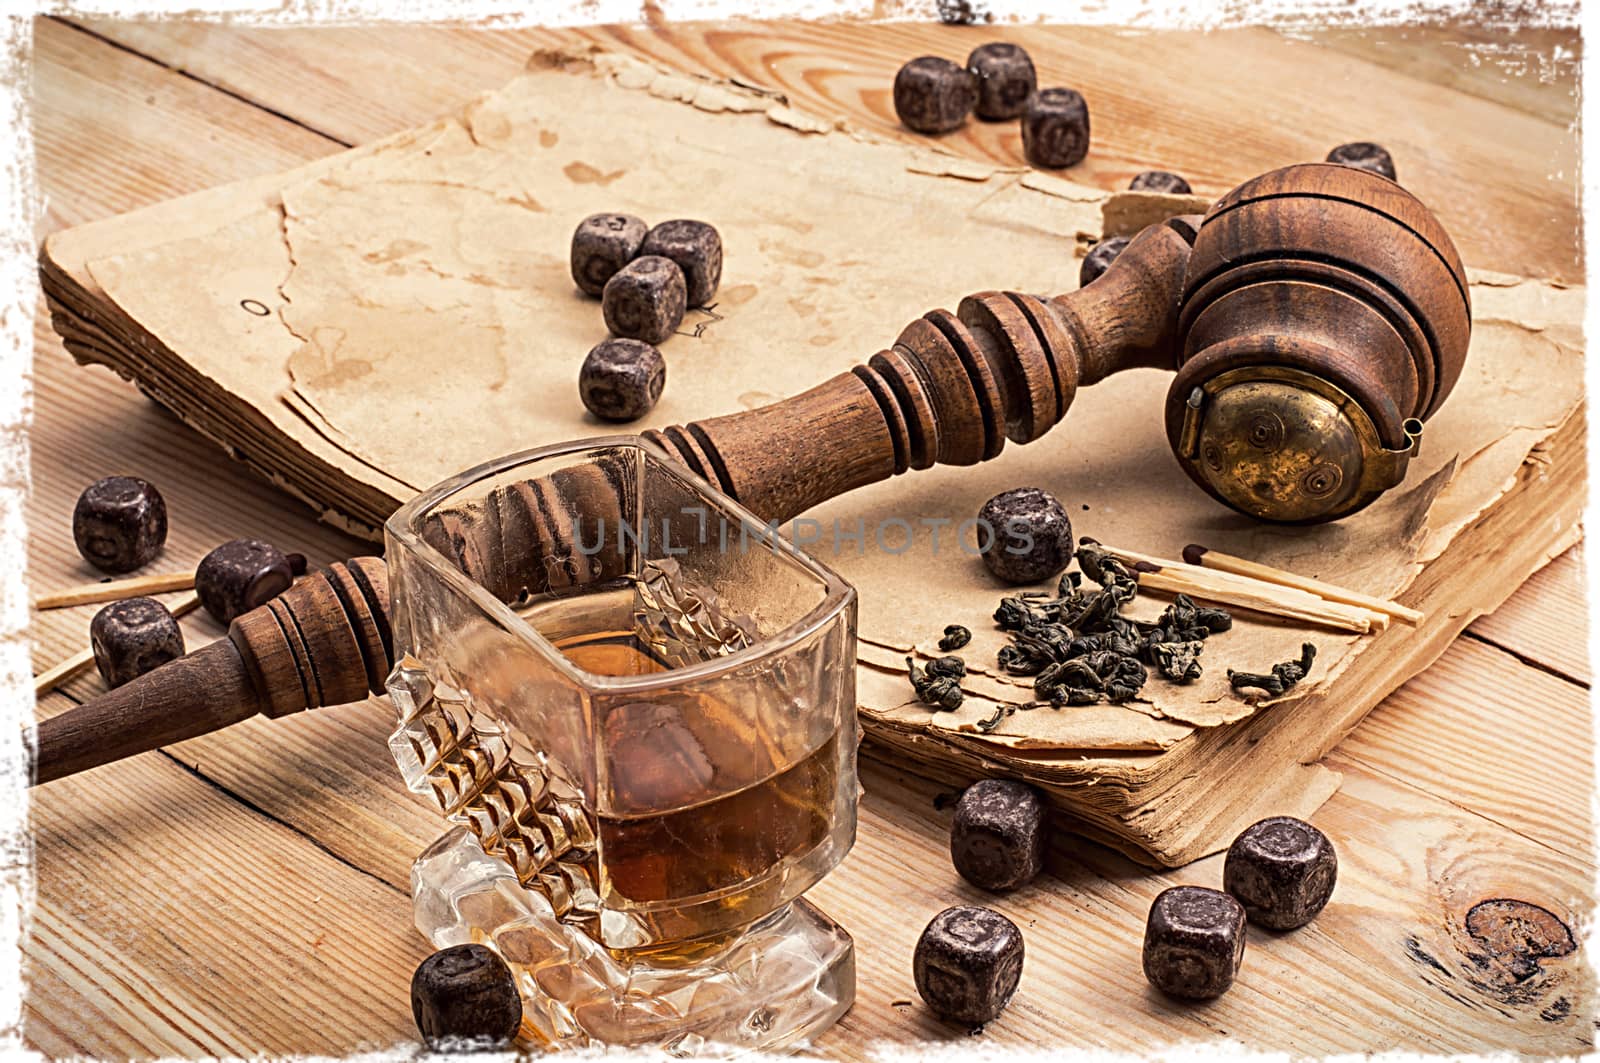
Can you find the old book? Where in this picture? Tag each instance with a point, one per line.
(366, 325)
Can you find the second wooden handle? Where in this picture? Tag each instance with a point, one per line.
(324, 641)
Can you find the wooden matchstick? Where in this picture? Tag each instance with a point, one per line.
(1195, 554)
(1307, 609)
(70, 668)
(1176, 577)
(116, 590)
(81, 661)
(136, 586)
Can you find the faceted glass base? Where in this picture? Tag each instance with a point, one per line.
(778, 981)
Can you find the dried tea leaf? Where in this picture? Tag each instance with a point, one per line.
(1177, 661)
(1283, 675)
(955, 637)
(1001, 714)
(939, 684)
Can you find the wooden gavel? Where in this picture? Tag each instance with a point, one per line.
(1315, 317)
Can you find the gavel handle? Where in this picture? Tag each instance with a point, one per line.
(324, 641)
(952, 389)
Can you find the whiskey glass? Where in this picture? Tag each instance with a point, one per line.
(635, 703)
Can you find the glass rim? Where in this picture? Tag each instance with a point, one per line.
(403, 526)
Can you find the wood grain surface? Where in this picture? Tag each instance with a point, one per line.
(1217, 107)
(271, 915)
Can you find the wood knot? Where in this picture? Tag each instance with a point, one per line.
(1514, 937)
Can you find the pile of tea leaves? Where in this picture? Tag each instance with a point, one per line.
(1077, 645)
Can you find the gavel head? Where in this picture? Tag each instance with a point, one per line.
(1325, 315)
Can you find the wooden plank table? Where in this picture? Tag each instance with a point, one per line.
(246, 893)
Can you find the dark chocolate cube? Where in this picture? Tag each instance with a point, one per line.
(934, 95)
(621, 379)
(119, 523)
(1193, 942)
(601, 245)
(465, 997)
(1282, 870)
(1055, 128)
(697, 249)
(1364, 155)
(240, 575)
(131, 637)
(997, 840)
(1030, 535)
(1005, 79)
(1099, 258)
(1159, 181)
(968, 963)
(645, 300)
